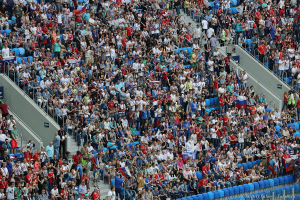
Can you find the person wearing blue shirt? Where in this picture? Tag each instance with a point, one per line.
(216, 6)
(194, 106)
(186, 126)
(79, 168)
(118, 186)
(111, 145)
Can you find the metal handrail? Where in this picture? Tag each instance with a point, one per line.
(273, 103)
(253, 76)
(29, 96)
(272, 72)
(14, 114)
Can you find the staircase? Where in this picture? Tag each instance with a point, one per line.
(104, 188)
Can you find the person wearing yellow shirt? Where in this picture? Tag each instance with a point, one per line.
(189, 84)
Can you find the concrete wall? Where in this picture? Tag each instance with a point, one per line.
(26, 133)
(28, 111)
(258, 84)
(260, 72)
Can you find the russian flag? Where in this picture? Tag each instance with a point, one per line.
(241, 102)
(124, 171)
(95, 161)
(82, 10)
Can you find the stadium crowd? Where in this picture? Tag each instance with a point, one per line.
(148, 98)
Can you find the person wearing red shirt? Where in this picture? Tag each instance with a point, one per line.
(262, 51)
(28, 177)
(284, 157)
(27, 154)
(189, 39)
(129, 30)
(85, 178)
(3, 183)
(203, 185)
(205, 169)
(4, 107)
(76, 157)
(221, 102)
(64, 194)
(233, 139)
(257, 15)
(95, 194)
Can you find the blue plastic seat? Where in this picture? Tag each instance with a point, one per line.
(216, 194)
(278, 128)
(236, 190)
(291, 178)
(212, 101)
(251, 186)
(245, 166)
(287, 189)
(216, 101)
(261, 184)
(296, 125)
(248, 41)
(199, 175)
(210, 195)
(231, 191)
(221, 193)
(205, 196)
(226, 192)
(276, 181)
(21, 51)
(241, 188)
(200, 196)
(286, 179)
(189, 49)
(297, 187)
(271, 182)
(249, 165)
(246, 188)
(256, 186)
(207, 102)
(281, 180)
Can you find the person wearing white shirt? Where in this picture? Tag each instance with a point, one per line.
(111, 194)
(281, 66)
(5, 51)
(210, 32)
(204, 25)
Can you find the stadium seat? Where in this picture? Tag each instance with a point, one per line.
(212, 101)
(287, 189)
(261, 184)
(286, 179)
(231, 191)
(296, 126)
(226, 192)
(216, 194)
(246, 188)
(251, 186)
(271, 182)
(268, 109)
(200, 196)
(241, 189)
(216, 100)
(256, 185)
(236, 190)
(221, 193)
(199, 175)
(276, 181)
(249, 164)
(291, 178)
(207, 102)
(205, 196)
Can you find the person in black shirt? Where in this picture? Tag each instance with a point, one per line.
(62, 134)
(5, 156)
